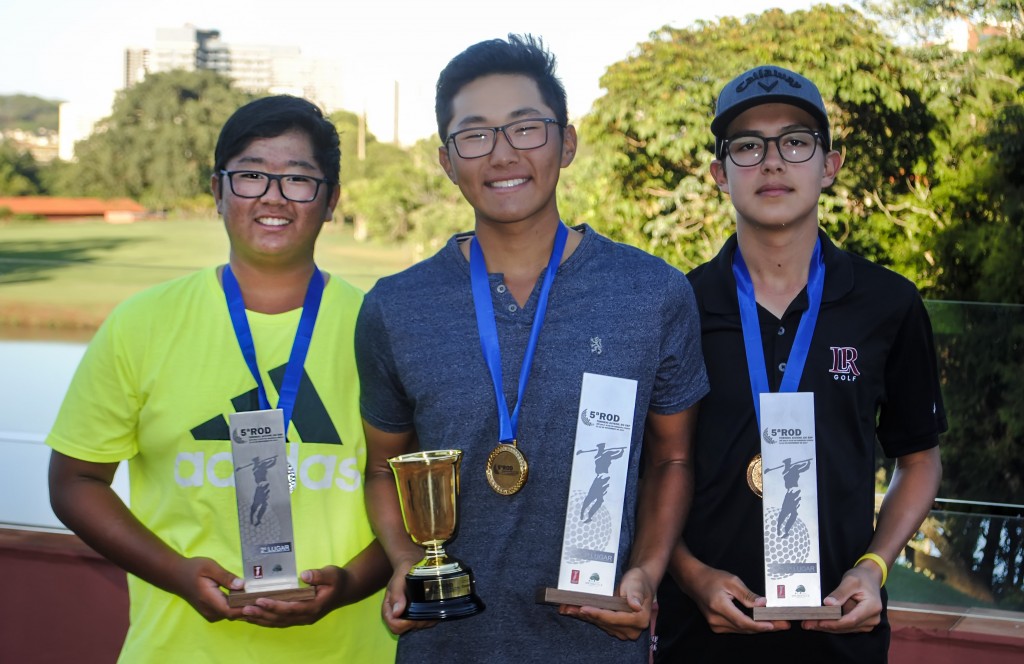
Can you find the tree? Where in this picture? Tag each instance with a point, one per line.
(976, 182)
(652, 141)
(28, 113)
(974, 187)
(977, 189)
(19, 173)
(398, 195)
(982, 371)
(977, 175)
(927, 19)
(157, 144)
(377, 157)
(411, 199)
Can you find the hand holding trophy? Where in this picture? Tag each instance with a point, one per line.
(438, 587)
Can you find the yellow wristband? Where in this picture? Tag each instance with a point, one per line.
(876, 559)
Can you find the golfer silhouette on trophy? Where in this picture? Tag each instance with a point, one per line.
(791, 503)
(261, 496)
(602, 464)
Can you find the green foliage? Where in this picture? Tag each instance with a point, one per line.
(983, 389)
(399, 194)
(440, 211)
(157, 145)
(972, 186)
(978, 172)
(926, 19)
(57, 178)
(653, 143)
(28, 113)
(19, 173)
(981, 365)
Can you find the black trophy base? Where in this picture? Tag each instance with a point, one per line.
(798, 612)
(444, 609)
(445, 596)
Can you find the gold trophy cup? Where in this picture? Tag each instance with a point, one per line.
(438, 587)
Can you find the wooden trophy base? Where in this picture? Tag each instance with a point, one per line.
(798, 612)
(573, 598)
(239, 598)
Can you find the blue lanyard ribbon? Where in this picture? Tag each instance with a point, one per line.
(752, 329)
(489, 331)
(300, 347)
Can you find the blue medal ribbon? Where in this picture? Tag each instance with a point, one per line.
(489, 331)
(300, 347)
(752, 329)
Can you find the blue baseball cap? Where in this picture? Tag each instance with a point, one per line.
(768, 84)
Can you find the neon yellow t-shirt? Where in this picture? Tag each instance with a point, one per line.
(155, 387)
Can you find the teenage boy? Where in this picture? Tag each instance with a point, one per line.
(156, 387)
(550, 303)
(869, 365)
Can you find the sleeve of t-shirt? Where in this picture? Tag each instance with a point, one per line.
(382, 401)
(912, 415)
(681, 380)
(99, 416)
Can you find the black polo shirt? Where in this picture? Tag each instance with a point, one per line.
(871, 367)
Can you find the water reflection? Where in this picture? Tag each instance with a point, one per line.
(35, 376)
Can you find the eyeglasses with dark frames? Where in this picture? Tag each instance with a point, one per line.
(526, 134)
(294, 187)
(794, 147)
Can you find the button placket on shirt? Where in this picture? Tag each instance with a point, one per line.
(782, 345)
(504, 299)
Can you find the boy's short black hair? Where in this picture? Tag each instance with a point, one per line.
(521, 55)
(269, 117)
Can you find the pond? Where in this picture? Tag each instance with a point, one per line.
(35, 376)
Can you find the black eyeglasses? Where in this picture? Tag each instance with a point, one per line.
(521, 135)
(294, 187)
(794, 147)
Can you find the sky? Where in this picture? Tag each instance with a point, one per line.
(73, 50)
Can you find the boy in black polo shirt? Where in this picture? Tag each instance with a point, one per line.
(869, 363)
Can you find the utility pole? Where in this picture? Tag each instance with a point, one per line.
(396, 114)
(361, 137)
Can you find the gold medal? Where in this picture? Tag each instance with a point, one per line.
(755, 478)
(506, 469)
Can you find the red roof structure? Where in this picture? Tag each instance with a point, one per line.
(55, 207)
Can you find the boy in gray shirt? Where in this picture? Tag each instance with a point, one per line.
(441, 344)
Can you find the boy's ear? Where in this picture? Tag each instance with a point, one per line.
(569, 143)
(833, 162)
(215, 189)
(718, 173)
(446, 163)
(332, 202)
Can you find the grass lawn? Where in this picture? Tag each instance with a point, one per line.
(65, 277)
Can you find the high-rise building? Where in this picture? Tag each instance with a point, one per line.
(256, 68)
(136, 64)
